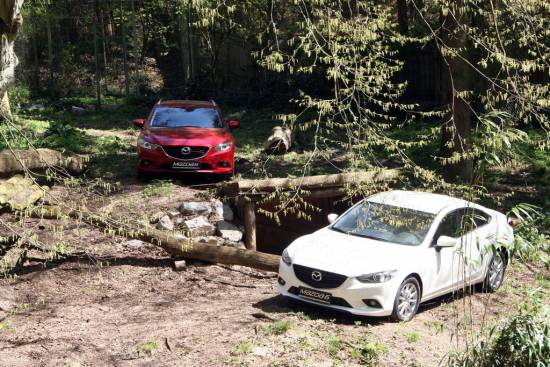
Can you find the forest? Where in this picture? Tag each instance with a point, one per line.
(105, 260)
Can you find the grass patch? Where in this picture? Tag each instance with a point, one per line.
(244, 347)
(148, 347)
(158, 188)
(368, 354)
(278, 327)
(412, 337)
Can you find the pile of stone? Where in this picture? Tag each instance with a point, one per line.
(203, 221)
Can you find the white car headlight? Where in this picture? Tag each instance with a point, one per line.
(286, 257)
(380, 277)
(147, 145)
(224, 146)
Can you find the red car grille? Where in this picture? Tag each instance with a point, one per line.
(185, 152)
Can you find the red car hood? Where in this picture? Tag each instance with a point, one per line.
(191, 136)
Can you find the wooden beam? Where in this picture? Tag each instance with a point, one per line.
(309, 182)
(250, 225)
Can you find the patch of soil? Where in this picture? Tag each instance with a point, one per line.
(128, 307)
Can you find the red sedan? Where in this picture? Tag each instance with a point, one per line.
(186, 136)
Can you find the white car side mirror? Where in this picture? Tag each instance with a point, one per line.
(332, 217)
(445, 241)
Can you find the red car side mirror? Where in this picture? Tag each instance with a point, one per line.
(139, 122)
(234, 124)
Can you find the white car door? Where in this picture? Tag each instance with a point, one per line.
(480, 234)
(445, 272)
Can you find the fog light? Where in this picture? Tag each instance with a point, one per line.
(145, 162)
(372, 303)
(224, 164)
(281, 281)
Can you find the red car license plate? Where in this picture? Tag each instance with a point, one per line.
(186, 165)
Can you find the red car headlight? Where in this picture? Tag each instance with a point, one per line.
(147, 145)
(224, 146)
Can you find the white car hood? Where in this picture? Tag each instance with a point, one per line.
(349, 255)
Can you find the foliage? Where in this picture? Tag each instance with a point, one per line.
(523, 341)
(158, 188)
(65, 138)
(531, 237)
(368, 353)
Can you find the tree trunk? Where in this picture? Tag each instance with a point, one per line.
(10, 21)
(185, 248)
(456, 134)
(280, 140)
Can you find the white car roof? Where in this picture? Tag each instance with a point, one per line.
(422, 201)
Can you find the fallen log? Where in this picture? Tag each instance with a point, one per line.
(175, 246)
(279, 141)
(339, 180)
(39, 159)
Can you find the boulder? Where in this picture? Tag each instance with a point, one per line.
(19, 193)
(165, 224)
(192, 208)
(198, 227)
(222, 211)
(229, 231)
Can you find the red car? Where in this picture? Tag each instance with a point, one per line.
(186, 136)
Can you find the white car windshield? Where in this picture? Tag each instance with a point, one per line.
(386, 223)
(186, 117)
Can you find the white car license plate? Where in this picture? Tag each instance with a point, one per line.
(314, 295)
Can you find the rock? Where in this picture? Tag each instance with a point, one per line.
(198, 227)
(142, 223)
(79, 110)
(222, 211)
(36, 107)
(20, 193)
(135, 244)
(173, 214)
(156, 217)
(229, 232)
(180, 265)
(179, 222)
(165, 224)
(191, 208)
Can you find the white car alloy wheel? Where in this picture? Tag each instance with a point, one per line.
(406, 300)
(495, 273)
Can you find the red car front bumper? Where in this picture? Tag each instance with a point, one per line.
(158, 160)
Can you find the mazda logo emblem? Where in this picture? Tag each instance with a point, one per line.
(185, 150)
(317, 276)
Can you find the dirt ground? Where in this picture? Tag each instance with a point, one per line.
(111, 303)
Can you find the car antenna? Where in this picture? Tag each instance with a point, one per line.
(160, 100)
(213, 102)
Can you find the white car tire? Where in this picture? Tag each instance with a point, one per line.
(495, 272)
(407, 300)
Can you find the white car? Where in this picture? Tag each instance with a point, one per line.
(394, 250)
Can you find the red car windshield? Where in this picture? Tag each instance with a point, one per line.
(186, 117)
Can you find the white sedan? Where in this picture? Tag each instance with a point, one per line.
(394, 250)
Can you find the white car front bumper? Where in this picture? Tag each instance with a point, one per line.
(350, 296)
